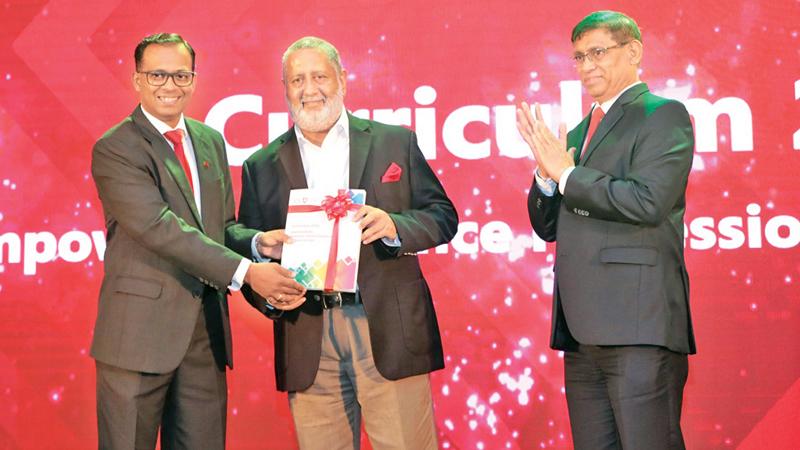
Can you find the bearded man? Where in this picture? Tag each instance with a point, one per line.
(342, 354)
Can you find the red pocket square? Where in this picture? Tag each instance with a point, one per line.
(392, 174)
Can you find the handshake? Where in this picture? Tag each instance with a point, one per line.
(268, 279)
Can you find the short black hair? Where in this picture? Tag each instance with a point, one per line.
(160, 39)
(621, 27)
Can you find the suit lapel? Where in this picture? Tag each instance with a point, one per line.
(613, 116)
(580, 131)
(360, 146)
(203, 156)
(165, 153)
(608, 122)
(289, 156)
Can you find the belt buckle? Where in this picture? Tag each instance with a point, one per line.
(337, 299)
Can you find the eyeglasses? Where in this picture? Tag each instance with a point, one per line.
(595, 54)
(159, 78)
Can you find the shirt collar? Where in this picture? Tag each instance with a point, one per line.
(341, 127)
(162, 127)
(606, 105)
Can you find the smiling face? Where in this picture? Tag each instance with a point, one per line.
(606, 77)
(314, 90)
(165, 102)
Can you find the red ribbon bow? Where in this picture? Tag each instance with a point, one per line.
(337, 207)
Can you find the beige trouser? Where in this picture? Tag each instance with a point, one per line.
(327, 416)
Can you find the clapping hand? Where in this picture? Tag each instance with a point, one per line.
(549, 151)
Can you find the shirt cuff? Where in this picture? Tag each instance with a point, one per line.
(238, 276)
(546, 185)
(254, 250)
(392, 242)
(563, 181)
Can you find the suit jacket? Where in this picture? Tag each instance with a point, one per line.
(620, 272)
(161, 259)
(402, 322)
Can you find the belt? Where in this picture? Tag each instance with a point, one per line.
(330, 300)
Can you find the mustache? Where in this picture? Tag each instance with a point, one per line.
(319, 119)
(320, 98)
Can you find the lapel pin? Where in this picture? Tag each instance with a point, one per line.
(205, 164)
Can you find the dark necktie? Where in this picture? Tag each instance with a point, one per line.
(176, 137)
(597, 117)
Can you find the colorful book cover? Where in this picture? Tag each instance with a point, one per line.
(326, 242)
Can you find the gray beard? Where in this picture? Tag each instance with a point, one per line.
(321, 120)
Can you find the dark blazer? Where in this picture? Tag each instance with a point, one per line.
(161, 260)
(620, 272)
(402, 322)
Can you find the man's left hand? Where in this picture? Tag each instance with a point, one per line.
(375, 224)
(550, 151)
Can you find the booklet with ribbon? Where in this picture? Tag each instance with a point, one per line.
(325, 241)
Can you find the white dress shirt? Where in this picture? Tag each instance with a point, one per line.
(327, 167)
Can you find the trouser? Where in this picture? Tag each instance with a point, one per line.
(625, 397)
(188, 404)
(398, 414)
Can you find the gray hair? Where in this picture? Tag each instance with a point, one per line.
(313, 42)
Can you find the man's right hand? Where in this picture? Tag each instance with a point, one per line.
(276, 284)
(550, 152)
(270, 243)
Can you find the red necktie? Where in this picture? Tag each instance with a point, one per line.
(597, 117)
(176, 137)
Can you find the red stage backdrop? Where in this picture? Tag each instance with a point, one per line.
(452, 71)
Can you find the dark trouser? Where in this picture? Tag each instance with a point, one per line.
(625, 397)
(189, 404)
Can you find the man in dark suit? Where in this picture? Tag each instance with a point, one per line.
(162, 337)
(342, 354)
(621, 304)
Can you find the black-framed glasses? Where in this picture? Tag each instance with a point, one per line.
(595, 54)
(181, 78)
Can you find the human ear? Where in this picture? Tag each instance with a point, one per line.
(635, 52)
